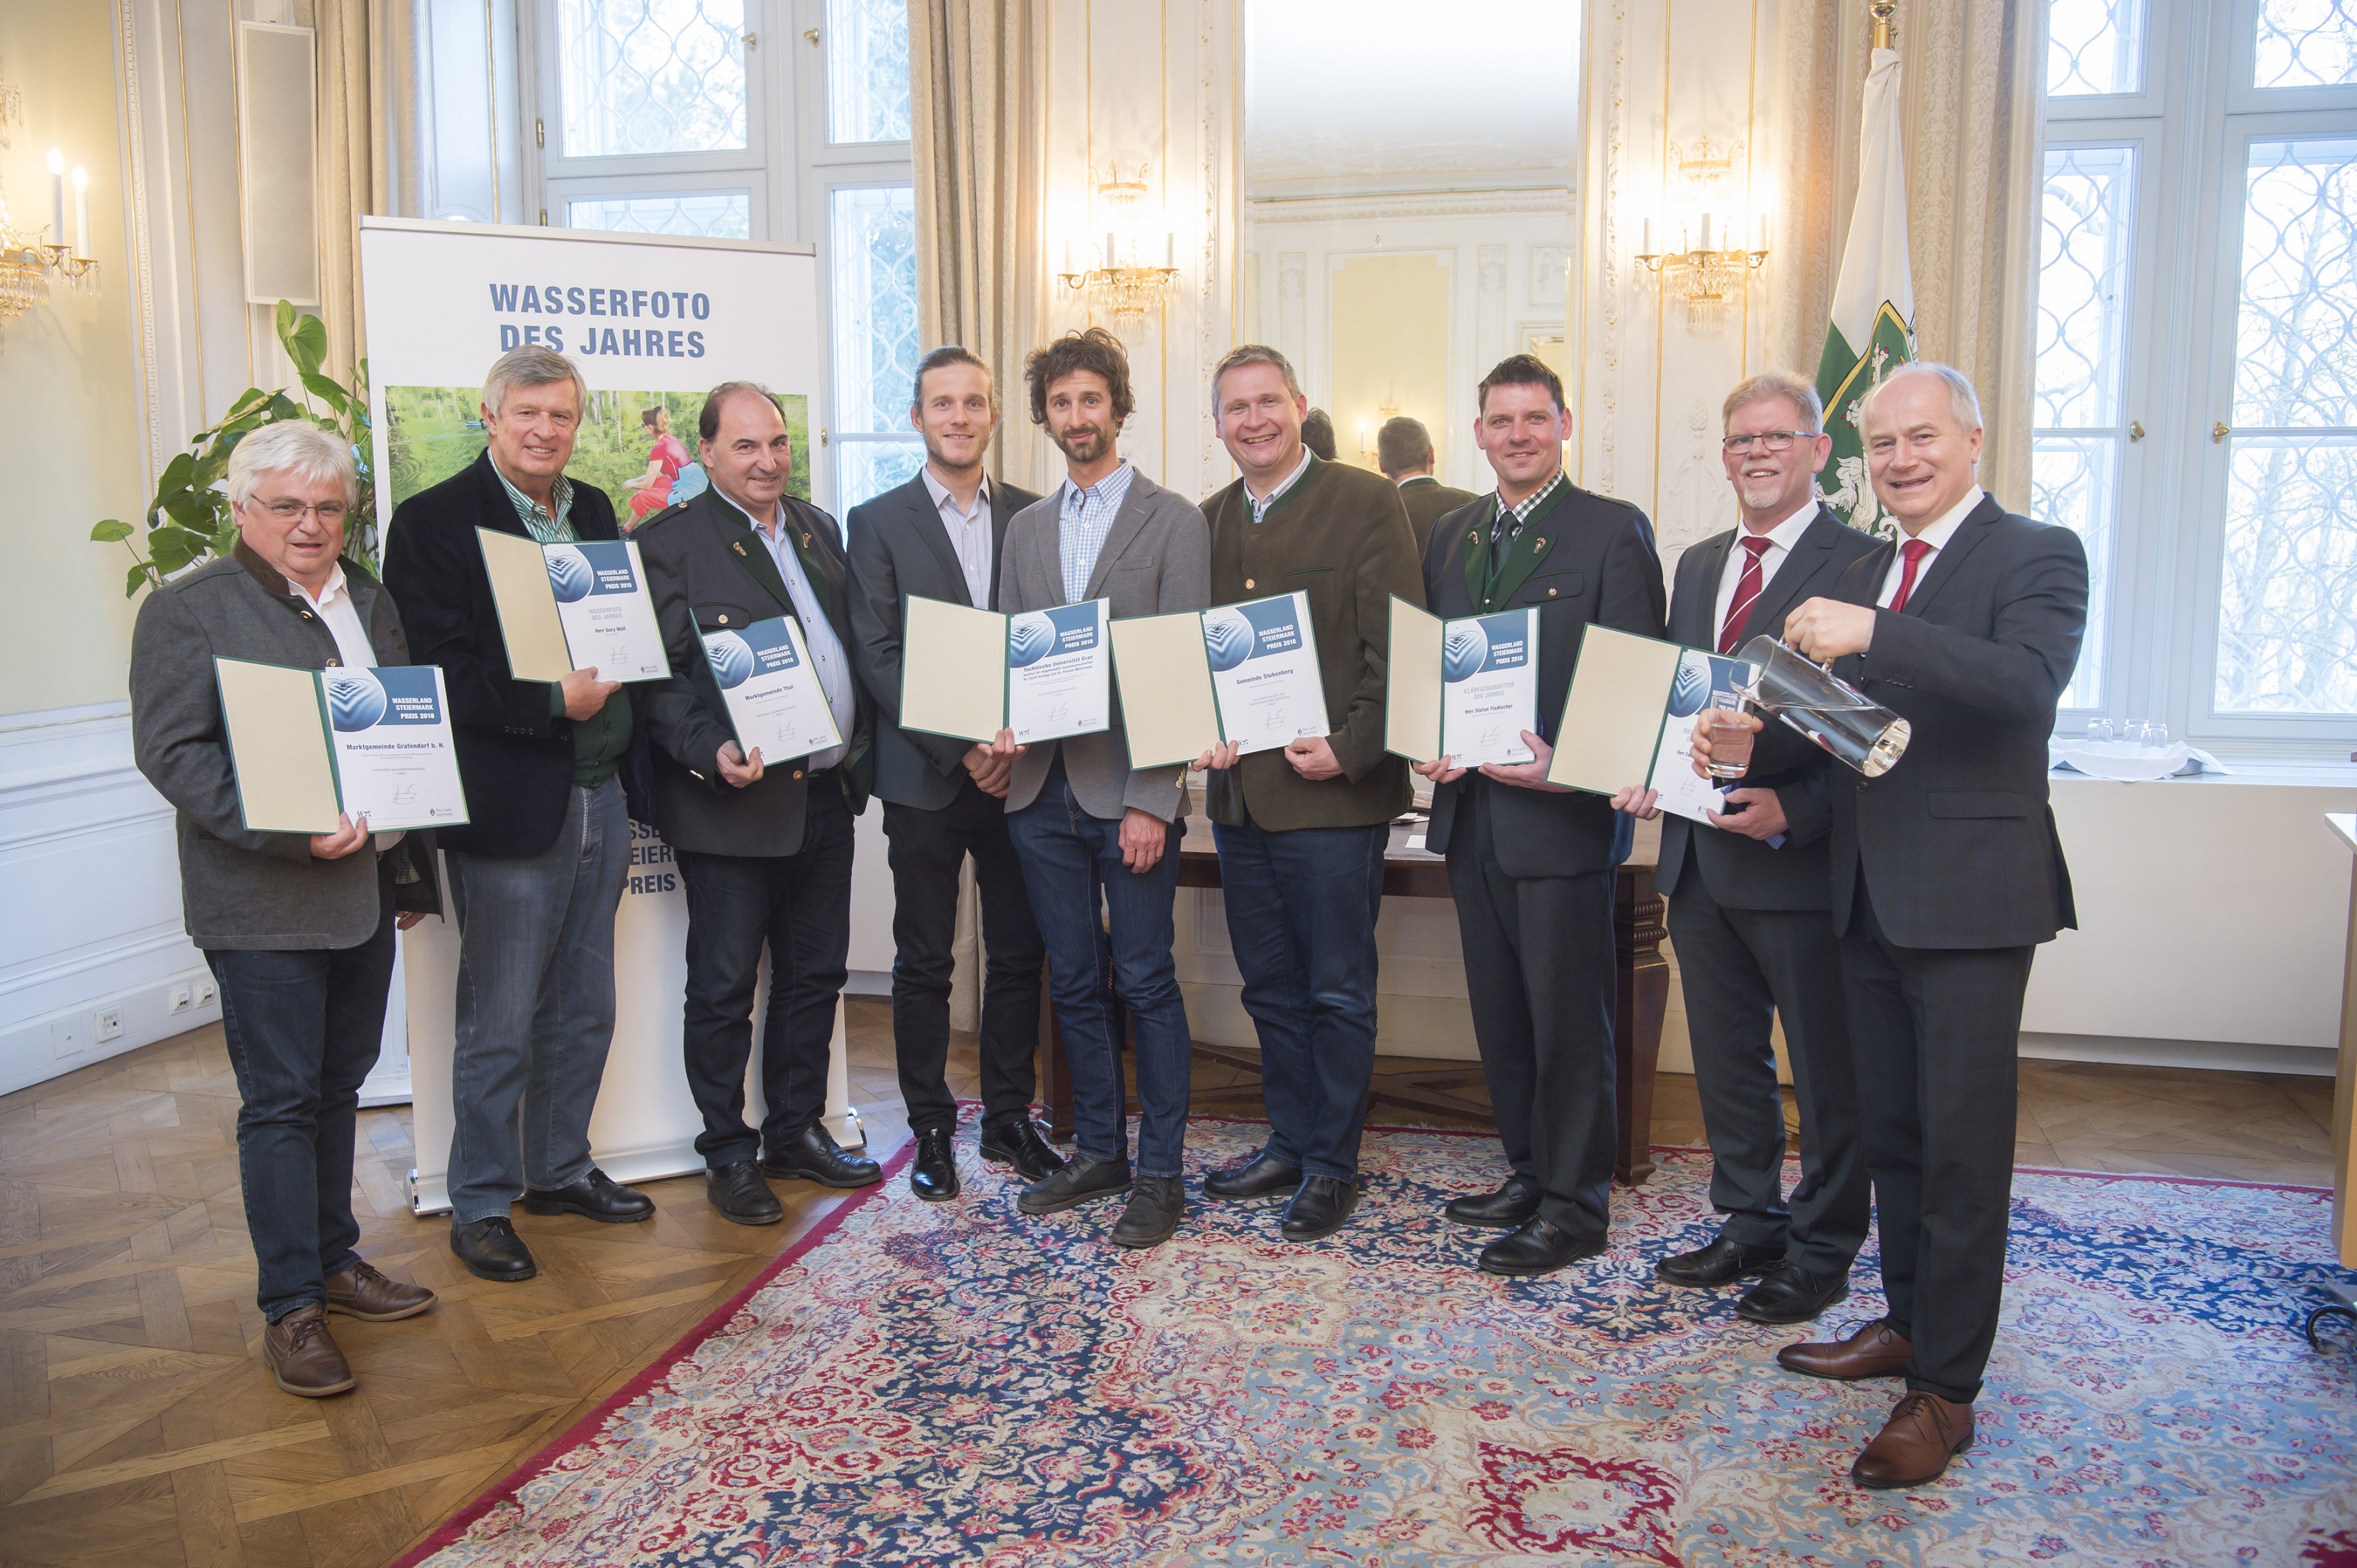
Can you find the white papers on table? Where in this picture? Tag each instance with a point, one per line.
(1264, 658)
(575, 606)
(775, 702)
(1059, 672)
(1704, 680)
(308, 744)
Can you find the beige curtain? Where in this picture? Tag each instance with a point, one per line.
(977, 88)
(1973, 73)
(350, 158)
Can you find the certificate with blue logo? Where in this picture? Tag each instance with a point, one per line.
(969, 674)
(1264, 656)
(1464, 689)
(577, 606)
(775, 702)
(309, 745)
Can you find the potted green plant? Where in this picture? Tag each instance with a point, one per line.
(188, 519)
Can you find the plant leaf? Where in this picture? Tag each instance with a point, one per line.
(327, 391)
(111, 531)
(137, 578)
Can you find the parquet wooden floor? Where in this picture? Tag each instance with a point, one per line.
(139, 1427)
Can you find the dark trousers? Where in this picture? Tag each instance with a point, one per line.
(1073, 864)
(1739, 968)
(799, 905)
(1538, 971)
(303, 1027)
(1936, 1031)
(928, 850)
(1301, 920)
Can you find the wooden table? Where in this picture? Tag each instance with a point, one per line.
(1643, 979)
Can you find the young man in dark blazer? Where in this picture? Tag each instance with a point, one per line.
(536, 876)
(1947, 874)
(1403, 452)
(764, 843)
(1301, 832)
(1532, 864)
(1748, 893)
(942, 536)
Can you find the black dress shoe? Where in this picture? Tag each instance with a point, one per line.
(1721, 1262)
(811, 1154)
(1260, 1177)
(491, 1250)
(1540, 1247)
(737, 1190)
(1018, 1143)
(1322, 1207)
(932, 1175)
(595, 1195)
(1791, 1295)
(1082, 1181)
(1503, 1209)
(1156, 1206)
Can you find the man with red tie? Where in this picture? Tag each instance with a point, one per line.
(1748, 895)
(1947, 874)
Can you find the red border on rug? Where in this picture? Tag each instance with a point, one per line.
(589, 1425)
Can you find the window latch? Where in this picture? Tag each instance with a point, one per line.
(752, 41)
(2136, 430)
(2219, 432)
(809, 37)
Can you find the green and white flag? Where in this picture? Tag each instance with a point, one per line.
(1873, 325)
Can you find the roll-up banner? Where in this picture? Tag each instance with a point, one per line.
(653, 322)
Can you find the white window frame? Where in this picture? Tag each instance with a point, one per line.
(2192, 122)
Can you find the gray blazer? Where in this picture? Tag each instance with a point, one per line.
(1157, 560)
(240, 889)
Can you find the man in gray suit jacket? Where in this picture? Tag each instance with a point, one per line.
(1749, 894)
(942, 536)
(1089, 828)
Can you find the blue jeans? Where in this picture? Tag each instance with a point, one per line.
(1069, 859)
(536, 1005)
(303, 1027)
(1301, 917)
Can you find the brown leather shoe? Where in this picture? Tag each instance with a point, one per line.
(360, 1291)
(1925, 1432)
(303, 1354)
(1872, 1350)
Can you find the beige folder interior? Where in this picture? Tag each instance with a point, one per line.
(278, 744)
(527, 607)
(1411, 684)
(953, 669)
(1613, 714)
(1167, 712)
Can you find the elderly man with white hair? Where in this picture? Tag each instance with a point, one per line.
(1947, 875)
(297, 928)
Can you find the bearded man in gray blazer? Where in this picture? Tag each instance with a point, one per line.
(1088, 829)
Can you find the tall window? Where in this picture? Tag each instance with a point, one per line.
(2196, 402)
(781, 120)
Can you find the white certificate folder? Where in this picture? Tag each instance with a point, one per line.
(775, 701)
(1462, 688)
(969, 674)
(1193, 680)
(1630, 712)
(311, 746)
(577, 606)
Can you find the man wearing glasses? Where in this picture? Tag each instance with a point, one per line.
(1748, 893)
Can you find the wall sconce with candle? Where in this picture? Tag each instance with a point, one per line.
(1123, 282)
(1712, 260)
(28, 260)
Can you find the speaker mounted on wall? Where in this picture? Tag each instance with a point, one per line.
(277, 106)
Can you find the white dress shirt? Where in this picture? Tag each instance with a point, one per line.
(1780, 540)
(353, 650)
(1937, 537)
(1260, 504)
(818, 632)
(969, 534)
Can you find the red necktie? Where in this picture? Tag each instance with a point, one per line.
(1914, 550)
(1747, 593)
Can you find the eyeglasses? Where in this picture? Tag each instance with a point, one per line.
(1767, 440)
(330, 513)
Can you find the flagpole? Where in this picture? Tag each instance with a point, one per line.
(1886, 28)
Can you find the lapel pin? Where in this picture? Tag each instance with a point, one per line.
(738, 547)
(1538, 544)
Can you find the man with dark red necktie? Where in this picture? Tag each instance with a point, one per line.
(1946, 875)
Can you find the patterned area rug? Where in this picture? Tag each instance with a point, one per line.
(957, 1383)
